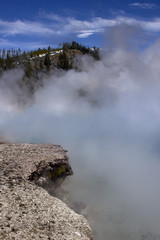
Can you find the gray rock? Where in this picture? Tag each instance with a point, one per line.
(27, 211)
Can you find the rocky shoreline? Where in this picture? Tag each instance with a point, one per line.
(28, 211)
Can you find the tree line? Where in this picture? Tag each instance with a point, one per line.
(42, 57)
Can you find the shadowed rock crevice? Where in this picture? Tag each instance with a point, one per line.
(50, 171)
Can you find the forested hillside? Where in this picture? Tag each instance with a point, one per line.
(44, 59)
(38, 63)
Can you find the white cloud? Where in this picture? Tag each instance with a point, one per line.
(143, 5)
(71, 25)
(23, 27)
(5, 43)
(57, 26)
(85, 34)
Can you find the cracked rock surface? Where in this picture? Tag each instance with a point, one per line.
(27, 211)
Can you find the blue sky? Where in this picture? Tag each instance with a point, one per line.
(38, 23)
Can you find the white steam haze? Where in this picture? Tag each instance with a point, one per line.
(108, 116)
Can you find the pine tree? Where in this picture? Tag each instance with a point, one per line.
(47, 61)
(9, 61)
(19, 51)
(41, 65)
(3, 53)
(13, 52)
(28, 70)
(63, 61)
(49, 49)
(1, 62)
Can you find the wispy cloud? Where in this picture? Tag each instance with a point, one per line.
(57, 26)
(143, 5)
(23, 27)
(62, 26)
(85, 34)
(24, 45)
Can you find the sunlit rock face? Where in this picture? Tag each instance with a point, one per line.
(27, 210)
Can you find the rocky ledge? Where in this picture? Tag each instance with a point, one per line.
(27, 210)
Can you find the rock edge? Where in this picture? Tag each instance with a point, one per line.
(27, 210)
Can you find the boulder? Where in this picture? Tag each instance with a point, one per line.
(28, 211)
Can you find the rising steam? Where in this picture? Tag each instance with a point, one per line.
(107, 115)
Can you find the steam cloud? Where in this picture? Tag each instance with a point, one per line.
(108, 116)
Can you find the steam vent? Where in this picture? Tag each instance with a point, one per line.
(27, 210)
